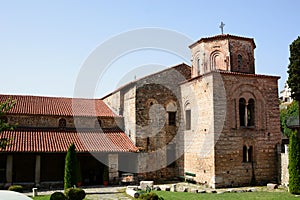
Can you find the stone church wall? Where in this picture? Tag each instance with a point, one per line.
(129, 112)
(197, 96)
(156, 96)
(264, 136)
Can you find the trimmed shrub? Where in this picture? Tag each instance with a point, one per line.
(16, 188)
(72, 171)
(58, 196)
(294, 164)
(150, 196)
(75, 193)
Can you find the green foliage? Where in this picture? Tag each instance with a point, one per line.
(75, 193)
(291, 111)
(150, 196)
(16, 188)
(58, 196)
(294, 69)
(266, 195)
(294, 164)
(4, 108)
(72, 171)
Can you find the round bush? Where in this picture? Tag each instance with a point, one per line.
(149, 196)
(58, 196)
(75, 193)
(16, 188)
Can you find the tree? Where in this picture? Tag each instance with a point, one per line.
(286, 113)
(294, 164)
(294, 146)
(72, 171)
(294, 69)
(294, 73)
(4, 108)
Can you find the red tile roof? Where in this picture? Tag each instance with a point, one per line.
(222, 37)
(232, 73)
(38, 105)
(111, 140)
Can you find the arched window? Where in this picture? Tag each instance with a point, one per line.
(240, 61)
(199, 65)
(171, 110)
(250, 112)
(217, 61)
(242, 111)
(250, 154)
(247, 153)
(188, 119)
(62, 123)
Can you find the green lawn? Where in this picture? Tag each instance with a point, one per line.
(225, 196)
(42, 197)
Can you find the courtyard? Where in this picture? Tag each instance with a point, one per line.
(118, 192)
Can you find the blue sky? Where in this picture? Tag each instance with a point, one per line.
(43, 44)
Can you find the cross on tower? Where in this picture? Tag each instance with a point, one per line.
(221, 27)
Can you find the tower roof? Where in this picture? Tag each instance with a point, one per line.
(222, 37)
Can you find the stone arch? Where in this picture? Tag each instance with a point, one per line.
(150, 102)
(171, 109)
(249, 92)
(217, 60)
(171, 106)
(198, 64)
(62, 123)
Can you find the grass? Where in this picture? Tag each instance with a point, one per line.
(47, 197)
(225, 196)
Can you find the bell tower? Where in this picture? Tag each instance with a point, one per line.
(223, 52)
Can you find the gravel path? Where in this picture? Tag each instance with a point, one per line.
(96, 193)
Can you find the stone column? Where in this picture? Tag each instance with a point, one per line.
(37, 179)
(113, 167)
(9, 169)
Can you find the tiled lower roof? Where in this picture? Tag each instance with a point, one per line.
(59, 106)
(58, 141)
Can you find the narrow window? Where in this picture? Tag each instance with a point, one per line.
(188, 120)
(242, 111)
(172, 118)
(250, 154)
(250, 113)
(199, 65)
(240, 61)
(245, 152)
(62, 123)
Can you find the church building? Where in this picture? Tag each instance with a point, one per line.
(216, 119)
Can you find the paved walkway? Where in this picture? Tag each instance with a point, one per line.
(96, 193)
